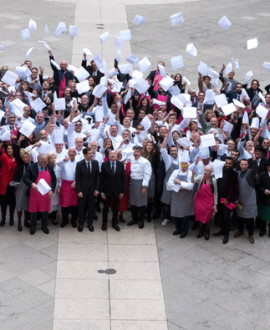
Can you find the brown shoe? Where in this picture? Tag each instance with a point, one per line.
(238, 233)
(251, 239)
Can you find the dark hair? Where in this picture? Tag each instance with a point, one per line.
(9, 145)
(236, 150)
(229, 158)
(252, 81)
(85, 150)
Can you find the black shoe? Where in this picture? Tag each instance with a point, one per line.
(207, 235)
(132, 222)
(141, 225)
(116, 227)
(80, 228)
(63, 224)
(104, 226)
(91, 228)
(225, 239)
(26, 223)
(262, 232)
(73, 224)
(3, 222)
(19, 226)
(95, 217)
(200, 234)
(183, 235)
(219, 233)
(45, 230)
(54, 222)
(32, 231)
(176, 232)
(11, 222)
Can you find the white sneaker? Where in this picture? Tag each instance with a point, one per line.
(165, 222)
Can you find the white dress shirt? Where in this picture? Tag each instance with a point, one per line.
(68, 170)
(140, 169)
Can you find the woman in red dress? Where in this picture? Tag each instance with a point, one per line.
(206, 199)
(7, 193)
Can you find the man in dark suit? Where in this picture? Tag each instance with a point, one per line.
(38, 202)
(87, 180)
(92, 69)
(112, 188)
(61, 77)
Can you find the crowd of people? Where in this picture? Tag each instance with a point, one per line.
(152, 146)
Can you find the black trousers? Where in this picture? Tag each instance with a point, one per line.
(44, 220)
(250, 225)
(8, 199)
(167, 211)
(225, 220)
(74, 213)
(182, 224)
(115, 207)
(86, 206)
(157, 203)
(138, 213)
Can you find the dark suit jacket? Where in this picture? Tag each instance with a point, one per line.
(90, 70)
(31, 175)
(263, 183)
(112, 185)
(152, 75)
(58, 74)
(85, 183)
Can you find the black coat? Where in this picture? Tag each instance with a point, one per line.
(228, 186)
(31, 175)
(58, 74)
(112, 185)
(263, 184)
(85, 183)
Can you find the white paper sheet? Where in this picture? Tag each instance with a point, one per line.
(262, 111)
(227, 127)
(81, 74)
(99, 90)
(38, 105)
(10, 78)
(189, 112)
(146, 123)
(27, 128)
(43, 187)
(221, 100)
(208, 140)
(228, 109)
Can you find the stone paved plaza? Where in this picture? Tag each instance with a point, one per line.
(161, 281)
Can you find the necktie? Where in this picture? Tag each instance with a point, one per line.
(89, 168)
(113, 170)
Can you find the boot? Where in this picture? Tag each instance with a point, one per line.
(19, 225)
(201, 231)
(11, 215)
(3, 221)
(207, 234)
